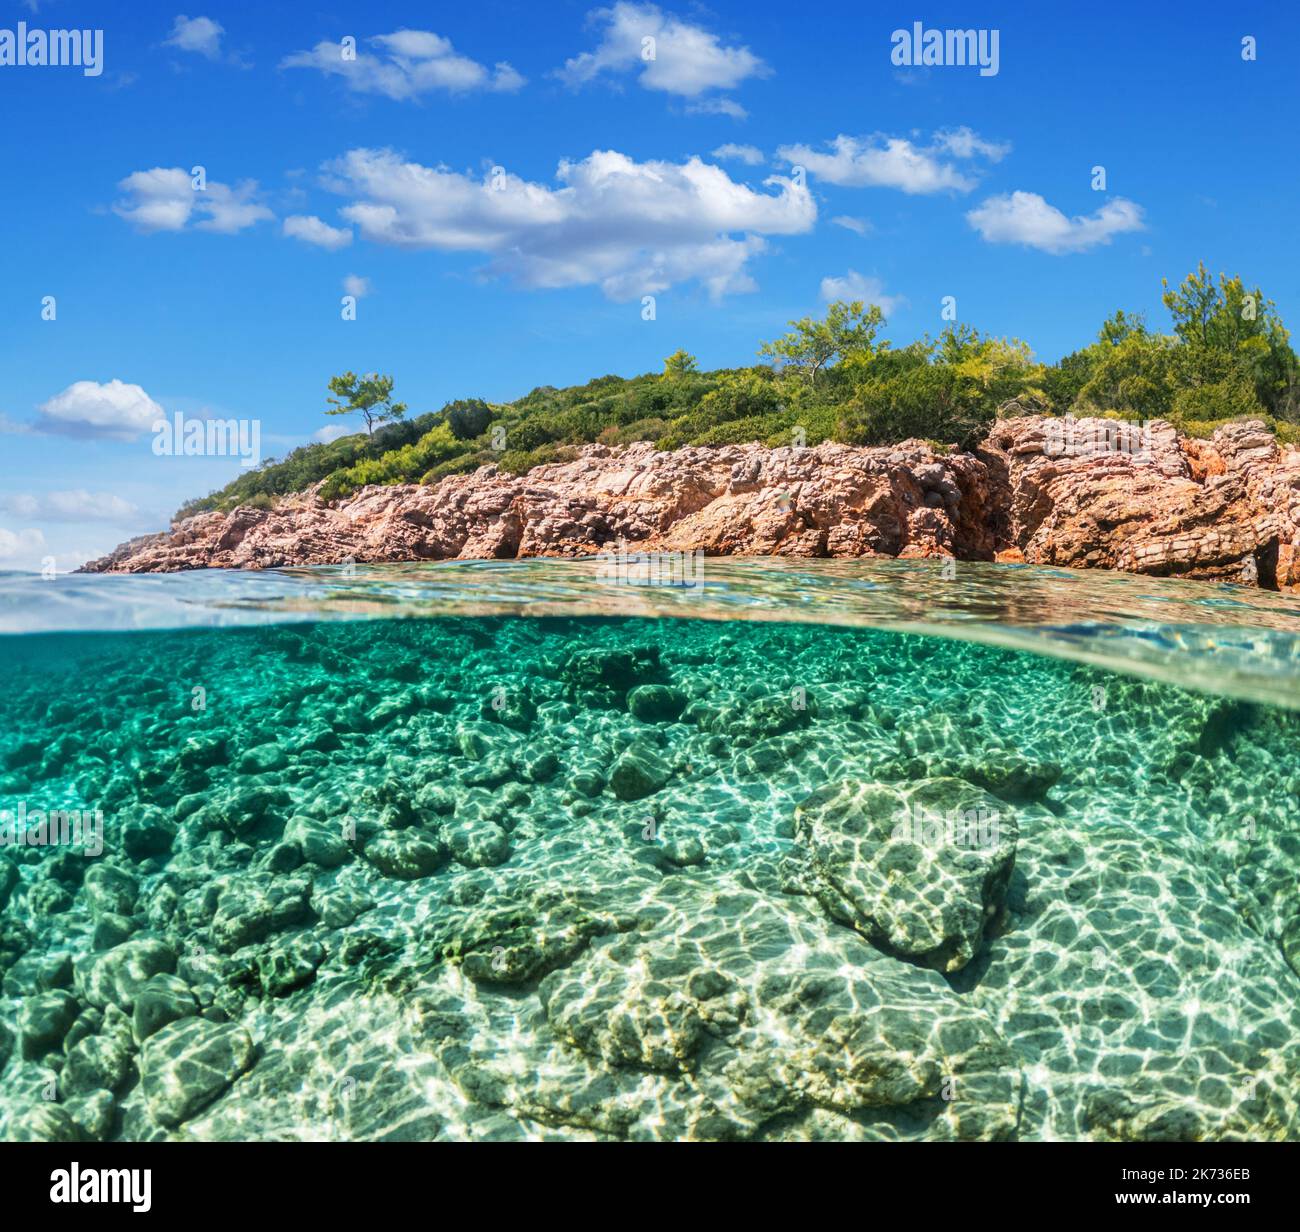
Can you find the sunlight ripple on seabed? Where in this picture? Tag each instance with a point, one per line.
(826, 851)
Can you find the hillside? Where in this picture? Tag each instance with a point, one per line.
(835, 379)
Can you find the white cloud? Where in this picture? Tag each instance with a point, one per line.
(24, 541)
(750, 154)
(718, 106)
(880, 161)
(331, 432)
(164, 199)
(87, 408)
(406, 64)
(687, 59)
(199, 34)
(353, 284)
(857, 286)
(631, 228)
(860, 226)
(311, 230)
(964, 142)
(78, 505)
(1026, 218)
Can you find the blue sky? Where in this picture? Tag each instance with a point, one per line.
(619, 176)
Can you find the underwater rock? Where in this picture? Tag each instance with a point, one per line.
(249, 912)
(117, 976)
(319, 843)
(604, 677)
(1010, 777)
(98, 1062)
(9, 879)
(288, 963)
(480, 844)
(46, 897)
(407, 854)
(517, 945)
(474, 741)
(513, 707)
(542, 767)
(262, 759)
(248, 808)
(43, 1020)
(110, 931)
(150, 835)
(750, 720)
(623, 1015)
(656, 703)
(341, 906)
(161, 1000)
(93, 1113)
(45, 1122)
(109, 890)
(639, 772)
(677, 966)
(187, 1064)
(920, 870)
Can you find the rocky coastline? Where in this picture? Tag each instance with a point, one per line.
(1222, 509)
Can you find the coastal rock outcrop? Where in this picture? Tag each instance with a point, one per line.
(1086, 493)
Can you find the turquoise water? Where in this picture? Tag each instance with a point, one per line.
(843, 851)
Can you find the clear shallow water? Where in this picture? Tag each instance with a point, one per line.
(1226, 639)
(844, 851)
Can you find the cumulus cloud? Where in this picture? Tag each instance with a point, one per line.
(855, 286)
(331, 432)
(197, 34)
(404, 65)
(20, 543)
(630, 228)
(311, 230)
(165, 199)
(881, 161)
(355, 285)
(113, 409)
(687, 60)
(1026, 218)
(77, 505)
(750, 154)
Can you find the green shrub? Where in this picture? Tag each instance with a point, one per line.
(931, 403)
(1233, 398)
(468, 418)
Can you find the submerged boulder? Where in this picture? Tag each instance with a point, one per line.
(920, 870)
(407, 854)
(187, 1064)
(638, 773)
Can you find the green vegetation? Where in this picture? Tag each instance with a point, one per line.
(1228, 356)
(371, 396)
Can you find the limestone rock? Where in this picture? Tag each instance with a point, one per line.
(639, 772)
(187, 1064)
(921, 870)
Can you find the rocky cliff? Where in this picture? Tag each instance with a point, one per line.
(1086, 493)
